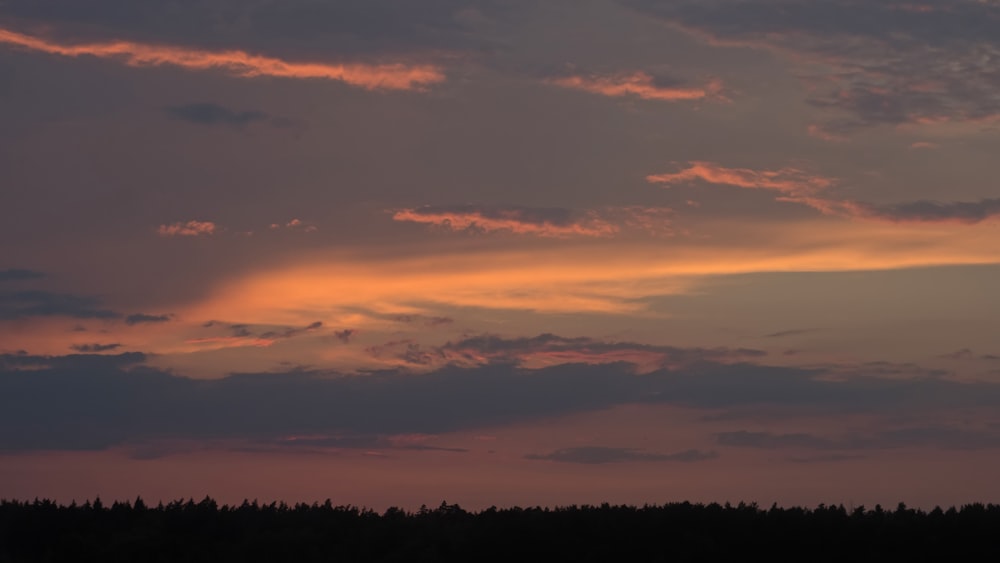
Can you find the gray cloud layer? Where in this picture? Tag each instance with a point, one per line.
(96, 401)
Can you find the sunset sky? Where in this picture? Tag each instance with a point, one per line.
(500, 252)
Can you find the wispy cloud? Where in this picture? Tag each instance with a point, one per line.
(396, 76)
(295, 225)
(551, 349)
(789, 181)
(798, 186)
(205, 113)
(966, 212)
(187, 229)
(637, 84)
(555, 222)
(873, 63)
(245, 335)
(546, 222)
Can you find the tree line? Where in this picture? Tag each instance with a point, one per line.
(182, 531)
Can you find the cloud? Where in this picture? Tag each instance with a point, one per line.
(964, 212)
(345, 335)
(551, 349)
(36, 303)
(540, 221)
(638, 84)
(97, 401)
(94, 348)
(14, 275)
(143, 318)
(187, 229)
(797, 186)
(553, 222)
(600, 454)
(246, 335)
(877, 62)
(214, 114)
(294, 224)
(24, 304)
(789, 181)
(395, 76)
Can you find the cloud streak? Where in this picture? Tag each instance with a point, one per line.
(245, 335)
(637, 84)
(213, 114)
(549, 349)
(187, 229)
(790, 181)
(396, 76)
(798, 186)
(551, 222)
(539, 221)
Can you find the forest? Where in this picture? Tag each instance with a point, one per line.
(189, 530)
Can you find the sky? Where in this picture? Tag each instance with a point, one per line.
(500, 252)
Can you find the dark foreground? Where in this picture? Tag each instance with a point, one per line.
(204, 531)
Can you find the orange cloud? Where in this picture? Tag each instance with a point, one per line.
(187, 229)
(799, 187)
(540, 222)
(637, 84)
(596, 276)
(789, 181)
(239, 63)
(553, 222)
